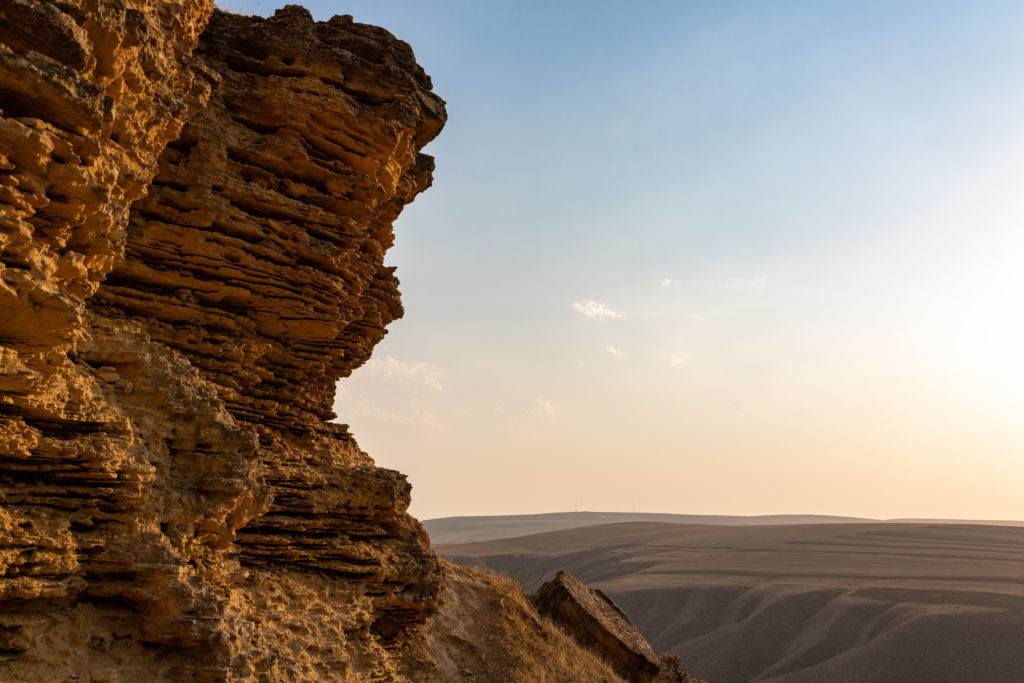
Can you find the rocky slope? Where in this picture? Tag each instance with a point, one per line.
(194, 210)
(487, 631)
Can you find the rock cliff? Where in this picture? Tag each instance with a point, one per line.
(194, 211)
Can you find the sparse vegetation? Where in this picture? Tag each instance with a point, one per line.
(539, 650)
(488, 631)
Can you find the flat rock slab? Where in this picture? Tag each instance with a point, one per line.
(596, 622)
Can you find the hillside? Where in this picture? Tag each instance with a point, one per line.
(876, 602)
(487, 528)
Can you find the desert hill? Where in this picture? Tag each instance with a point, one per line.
(800, 603)
(488, 528)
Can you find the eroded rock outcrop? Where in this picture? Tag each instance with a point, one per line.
(173, 500)
(598, 624)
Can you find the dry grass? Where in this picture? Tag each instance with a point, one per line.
(538, 649)
(545, 653)
(487, 632)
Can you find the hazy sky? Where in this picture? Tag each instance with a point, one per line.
(709, 257)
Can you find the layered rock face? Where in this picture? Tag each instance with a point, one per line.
(175, 503)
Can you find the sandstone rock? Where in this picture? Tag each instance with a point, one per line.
(258, 255)
(597, 623)
(173, 500)
(90, 93)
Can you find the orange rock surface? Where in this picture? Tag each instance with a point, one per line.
(194, 211)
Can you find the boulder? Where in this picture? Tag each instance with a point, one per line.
(597, 623)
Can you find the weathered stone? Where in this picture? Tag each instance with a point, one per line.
(597, 623)
(258, 255)
(174, 503)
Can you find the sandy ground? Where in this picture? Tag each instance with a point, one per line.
(807, 603)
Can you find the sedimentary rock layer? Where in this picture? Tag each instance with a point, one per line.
(90, 94)
(175, 503)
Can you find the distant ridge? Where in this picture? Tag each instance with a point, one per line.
(925, 520)
(489, 528)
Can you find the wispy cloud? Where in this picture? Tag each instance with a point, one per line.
(595, 310)
(544, 407)
(666, 282)
(421, 373)
(614, 351)
(678, 361)
(351, 410)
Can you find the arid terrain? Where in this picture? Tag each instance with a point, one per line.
(471, 529)
(801, 602)
(488, 528)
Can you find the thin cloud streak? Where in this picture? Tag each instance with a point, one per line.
(595, 310)
(545, 407)
(353, 410)
(420, 373)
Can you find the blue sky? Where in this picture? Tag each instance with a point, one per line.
(709, 257)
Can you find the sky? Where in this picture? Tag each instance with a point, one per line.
(709, 257)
